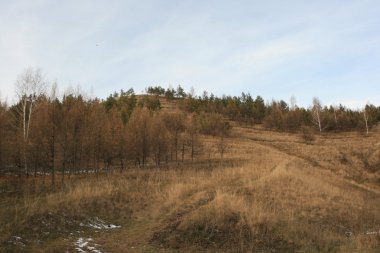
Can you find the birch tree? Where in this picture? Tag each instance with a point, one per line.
(365, 115)
(293, 103)
(53, 130)
(316, 111)
(29, 86)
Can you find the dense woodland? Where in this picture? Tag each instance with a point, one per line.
(63, 135)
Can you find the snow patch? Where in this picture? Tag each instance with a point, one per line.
(349, 233)
(372, 233)
(98, 223)
(84, 245)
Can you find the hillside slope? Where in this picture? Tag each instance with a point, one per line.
(271, 192)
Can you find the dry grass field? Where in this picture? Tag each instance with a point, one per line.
(271, 192)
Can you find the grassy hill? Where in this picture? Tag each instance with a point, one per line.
(271, 192)
(166, 105)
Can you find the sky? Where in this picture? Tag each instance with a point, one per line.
(328, 49)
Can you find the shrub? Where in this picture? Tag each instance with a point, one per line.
(213, 124)
(307, 135)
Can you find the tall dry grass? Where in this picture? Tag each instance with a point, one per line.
(274, 201)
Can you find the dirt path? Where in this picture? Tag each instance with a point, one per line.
(292, 155)
(285, 162)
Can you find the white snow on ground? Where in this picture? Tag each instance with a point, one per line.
(372, 232)
(349, 233)
(83, 245)
(98, 223)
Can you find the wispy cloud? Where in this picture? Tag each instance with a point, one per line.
(276, 49)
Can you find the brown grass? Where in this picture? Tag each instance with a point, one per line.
(287, 196)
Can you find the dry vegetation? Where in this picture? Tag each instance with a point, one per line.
(271, 192)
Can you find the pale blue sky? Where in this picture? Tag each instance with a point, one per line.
(276, 49)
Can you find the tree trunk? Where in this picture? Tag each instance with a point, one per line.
(366, 120)
(24, 137)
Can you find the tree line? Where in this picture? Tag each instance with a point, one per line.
(276, 115)
(44, 133)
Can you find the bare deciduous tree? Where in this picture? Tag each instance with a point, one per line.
(293, 103)
(53, 131)
(29, 86)
(365, 115)
(174, 122)
(317, 108)
(192, 136)
(160, 141)
(139, 135)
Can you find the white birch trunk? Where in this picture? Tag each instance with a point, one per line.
(365, 120)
